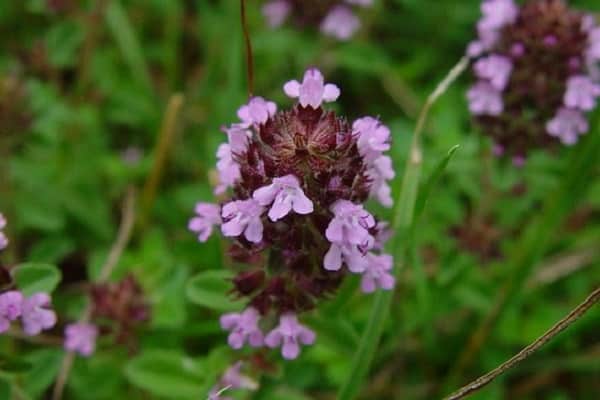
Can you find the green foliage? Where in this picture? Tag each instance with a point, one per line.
(34, 277)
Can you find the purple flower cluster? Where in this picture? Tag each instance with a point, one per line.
(3, 238)
(34, 312)
(334, 17)
(537, 74)
(299, 181)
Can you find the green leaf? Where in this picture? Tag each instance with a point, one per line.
(210, 288)
(167, 374)
(46, 363)
(432, 180)
(36, 277)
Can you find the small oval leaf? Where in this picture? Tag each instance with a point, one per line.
(36, 277)
(210, 288)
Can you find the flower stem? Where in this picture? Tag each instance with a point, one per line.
(248, 43)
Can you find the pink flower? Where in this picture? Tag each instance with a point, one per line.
(312, 91)
(498, 13)
(256, 112)
(373, 137)
(276, 12)
(237, 137)
(289, 335)
(11, 305)
(344, 253)
(495, 69)
(350, 224)
(286, 195)
(380, 172)
(243, 216)
(232, 379)
(581, 93)
(207, 216)
(243, 328)
(35, 317)
(377, 273)
(227, 167)
(484, 99)
(341, 23)
(567, 125)
(81, 338)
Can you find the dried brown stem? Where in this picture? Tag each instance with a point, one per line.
(248, 44)
(123, 236)
(161, 154)
(560, 326)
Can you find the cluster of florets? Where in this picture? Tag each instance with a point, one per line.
(537, 74)
(119, 308)
(334, 17)
(299, 179)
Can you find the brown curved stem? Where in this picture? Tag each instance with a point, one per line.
(248, 43)
(560, 326)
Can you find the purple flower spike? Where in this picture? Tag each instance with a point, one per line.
(276, 12)
(286, 195)
(243, 216)
(496, 69)
(484, 99)
(257, 111)
(341, 23)
(567, 125)
(81, 338)
(350, 224)
(377, 274)
(11, 304)
(289, 335)
(373, 137)
(313, 90)
(207, 216)
(35, 316)
(581, 93)
(351, 255)
(243, 328)
(229, 170)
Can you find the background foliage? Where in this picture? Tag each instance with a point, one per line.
(83, 82)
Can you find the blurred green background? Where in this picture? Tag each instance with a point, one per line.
(84, 89)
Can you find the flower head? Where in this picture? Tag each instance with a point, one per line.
(207, 216)
(313, 90)
(81, 338)
(296, 208)
(243, 328)
(276, 12)
(289, 335)
(535, 74)
(35, 315)
(11, 305)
